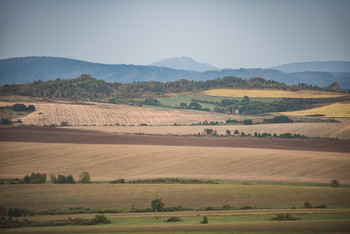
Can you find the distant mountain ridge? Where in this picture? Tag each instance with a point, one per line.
(330, 66)
(184, 63)
(28, 69)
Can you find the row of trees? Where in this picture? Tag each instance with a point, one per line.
(87, 88)
(40, 178)
(22, 107)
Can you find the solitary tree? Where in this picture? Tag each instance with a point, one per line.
(205, 220)
(157, 204)
(228, 132)
(335, 183)
(84, 177)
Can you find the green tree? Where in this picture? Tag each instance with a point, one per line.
(31, 108)
(157, 204)
(19, 107)
(205, 220)
(84, 177)
(183, 105)
(5, 121)
(70, 179)
(228, 132)
(335, 183)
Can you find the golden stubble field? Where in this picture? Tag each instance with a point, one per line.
(271, 93)
(109, 162)
(100, 114)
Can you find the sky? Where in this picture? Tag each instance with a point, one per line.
(223, 33)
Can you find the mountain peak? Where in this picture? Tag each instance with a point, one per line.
(184, 63)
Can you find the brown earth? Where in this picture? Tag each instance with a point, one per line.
(55, 135)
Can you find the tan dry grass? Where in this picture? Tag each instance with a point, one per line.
(271, 93)
(108, 162)
(323, 130)
(100, 114)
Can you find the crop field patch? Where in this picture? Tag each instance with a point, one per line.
(108, 114)
(332, 110)
(110, 162)
(125, 196)
(270, 93)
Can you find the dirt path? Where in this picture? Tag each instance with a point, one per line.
(55, 135)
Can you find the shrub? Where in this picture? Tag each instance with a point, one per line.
(247, 122)
(61, 179)
(174, 219)
(63, 124)
(335, 183)
(284, 217)
(205, 220)
(118, 181)
(19, 107)
(34, 178)
(5, 121)
(307, 205)
(157, 204)
(84, 177)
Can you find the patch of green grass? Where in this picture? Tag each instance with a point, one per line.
(175, 101)
(9, 113)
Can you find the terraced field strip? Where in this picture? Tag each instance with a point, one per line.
(322, 130)
(332, 110)
(109, 114)
(118, 196)
(271, 93)
(110, 162)
(328, 226)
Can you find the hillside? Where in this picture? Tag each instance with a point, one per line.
(184, 63)
(330, 66)
(29, 69)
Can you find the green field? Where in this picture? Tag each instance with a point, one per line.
(195, 196)
(326, 220)
(176, 100)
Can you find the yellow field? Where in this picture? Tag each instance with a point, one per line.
(108, 162)
(100, 114)
(323, 130)
(270, 93)
(333, 110)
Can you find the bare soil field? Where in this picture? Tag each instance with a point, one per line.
(63, 135)
(322, 130)
(50, 112)
(106, 162)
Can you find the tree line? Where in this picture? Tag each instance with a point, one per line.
(87, 88)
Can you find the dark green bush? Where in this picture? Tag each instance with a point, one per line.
(205, 220)
(173, 219)
(284, 217)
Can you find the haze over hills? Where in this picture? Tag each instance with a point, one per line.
(184, 63)
(28, 69)
(330, 66)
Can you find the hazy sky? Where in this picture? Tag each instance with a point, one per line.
(234, 34)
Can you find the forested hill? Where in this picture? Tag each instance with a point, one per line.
(86, 88)
(29, 69)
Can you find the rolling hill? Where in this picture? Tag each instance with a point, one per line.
(331, 66)
(29, 69)
(184, 63)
